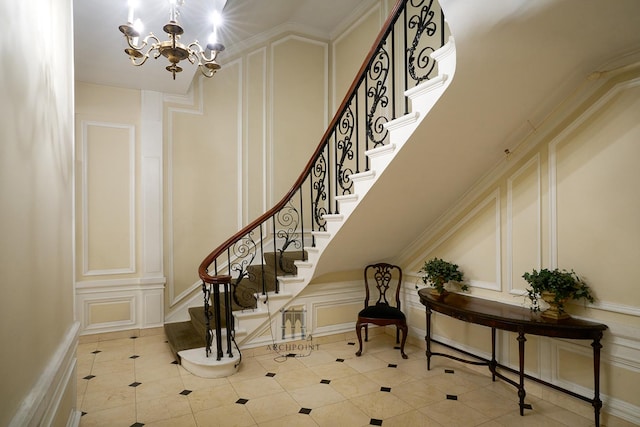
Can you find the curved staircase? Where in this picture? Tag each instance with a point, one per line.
(262, 282)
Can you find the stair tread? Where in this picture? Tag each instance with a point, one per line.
(182, 336)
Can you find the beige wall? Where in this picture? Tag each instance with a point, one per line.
(571, 201)
(107, 121)
(36, 188)
(350, 48)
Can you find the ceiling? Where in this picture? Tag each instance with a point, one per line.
(99, 45)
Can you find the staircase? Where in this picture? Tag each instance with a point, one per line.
(191, 334)
(262, 268)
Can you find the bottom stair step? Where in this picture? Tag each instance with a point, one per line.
(183, 336)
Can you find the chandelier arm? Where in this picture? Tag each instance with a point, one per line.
(196, 53)
(141, 61)
(214, 55)
(156, 50)
(206, 71)
(144, 43)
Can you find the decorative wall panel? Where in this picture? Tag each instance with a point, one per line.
(108, 194)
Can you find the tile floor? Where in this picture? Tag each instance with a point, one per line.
(134, 381)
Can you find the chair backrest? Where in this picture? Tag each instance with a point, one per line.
(382, 278)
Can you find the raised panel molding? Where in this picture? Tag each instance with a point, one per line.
(91, 304)
(492, 198)
(144, 298)
(261, 54)
(85, 143)
(271, 169)
(600, 104)
(534, 162)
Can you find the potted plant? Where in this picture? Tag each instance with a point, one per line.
(437, 272)
(555, 287)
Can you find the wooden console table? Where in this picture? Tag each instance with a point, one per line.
(517, 319)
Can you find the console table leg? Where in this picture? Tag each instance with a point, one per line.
(493, 364)
(521, 392)
(597, 403)
(427, 339)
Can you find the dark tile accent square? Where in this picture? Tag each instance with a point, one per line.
(175, 362)
(325, 381)
(339, 360)
(96, 352)
(305, 411)
(135, 356)
(82, 414)
(88, 377)
(449, 371)
(185, 392)
(392, 365)
(351, 343)
(242, 401)
(137, 424)
(270, 374)
(134, 338)
(387, 389)
(396, 348)
(135, 384)
(375, 422)
(452, 397)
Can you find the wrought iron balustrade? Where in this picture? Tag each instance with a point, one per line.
(398, 60)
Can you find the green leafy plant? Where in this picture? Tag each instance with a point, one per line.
(563, 284)
(437, 272)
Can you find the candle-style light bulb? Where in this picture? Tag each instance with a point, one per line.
(216, 19)
(138, 26)
(173, 6)
(132, 5)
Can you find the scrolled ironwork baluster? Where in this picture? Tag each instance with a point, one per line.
(206, 290)
(244, 252)
(344, 145)
(288, 219)
(377, 91)
(319, 171)
(228, 318)
(420, 65)
(218, 319)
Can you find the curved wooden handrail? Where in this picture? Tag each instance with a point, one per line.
(204, 265)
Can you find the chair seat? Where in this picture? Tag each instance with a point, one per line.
(381, 311)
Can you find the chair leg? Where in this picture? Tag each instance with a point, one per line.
(366, 332)
(405, 329)
(359, 334)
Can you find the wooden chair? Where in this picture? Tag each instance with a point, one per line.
(385, 276)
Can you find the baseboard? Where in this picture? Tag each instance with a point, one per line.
(43, 403)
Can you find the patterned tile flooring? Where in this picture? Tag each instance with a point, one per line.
(134, 381)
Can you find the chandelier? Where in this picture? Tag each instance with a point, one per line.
(151, 46)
